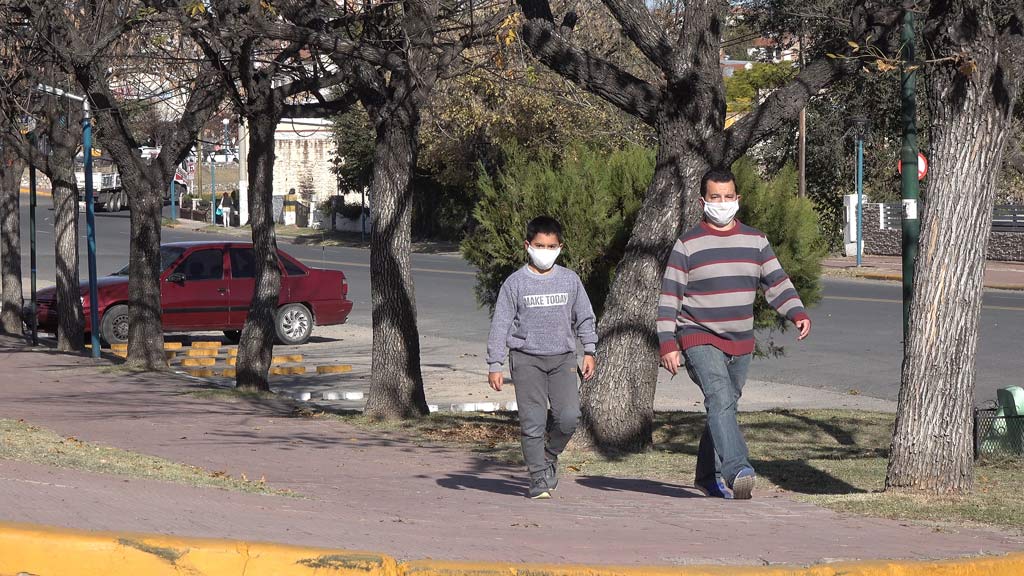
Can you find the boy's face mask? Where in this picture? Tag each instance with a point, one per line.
(543, 258)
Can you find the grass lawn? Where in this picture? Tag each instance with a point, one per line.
(23, 442)
(832, 458)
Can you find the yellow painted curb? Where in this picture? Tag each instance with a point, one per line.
(334, 369)
(232, 361)
(286, 358)
(120, 353)
(26, 549)
(29, 549)
(118, 346)
(207, 345)
(202, 352)
(193, 362)
(285, 370)
(233, 352)
(170, 355)
(200, 372)
(228, 373)
(172, 345)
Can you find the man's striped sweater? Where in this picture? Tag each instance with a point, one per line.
(707, 294)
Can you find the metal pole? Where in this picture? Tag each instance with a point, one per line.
(174, 199)
(90, 219)
(802, 154)
(362, 216)
(860, 197)
(908, 180)
(213, 192)
(32, 238)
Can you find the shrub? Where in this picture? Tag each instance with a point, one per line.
(791, 225)
(594, 195)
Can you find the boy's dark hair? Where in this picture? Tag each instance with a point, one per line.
(719, 175)
(543, 225)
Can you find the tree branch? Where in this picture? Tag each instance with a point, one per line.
(640, 27)
(629, 93)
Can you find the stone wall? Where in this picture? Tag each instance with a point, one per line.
(1006, 246)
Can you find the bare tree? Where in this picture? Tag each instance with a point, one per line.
(120, 53)
(264, 81)
(684, 102)
(975, 50)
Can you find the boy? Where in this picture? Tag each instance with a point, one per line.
(541, 310)
(706, 313)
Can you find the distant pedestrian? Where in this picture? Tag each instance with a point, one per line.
(541, 310)
(706, 309)
(226, 204)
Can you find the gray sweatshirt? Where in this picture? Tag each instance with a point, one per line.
(540, 314)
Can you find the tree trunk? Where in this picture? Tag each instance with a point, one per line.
(618, 405)
(971, 110)
(11, 170)
(145, 331)
(396, 382)
(256, 347)
(61, 171)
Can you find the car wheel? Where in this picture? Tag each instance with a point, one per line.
(294, 324)
(233, 336)
(114, 326)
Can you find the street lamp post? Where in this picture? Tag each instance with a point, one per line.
(90, 212)
(226, 217)
(909, 189)
(860, 127)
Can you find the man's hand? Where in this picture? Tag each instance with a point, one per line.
(495, 379)
(589, 365)
(804, 325)
(671, 361)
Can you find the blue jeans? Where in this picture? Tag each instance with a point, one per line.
(722, 450)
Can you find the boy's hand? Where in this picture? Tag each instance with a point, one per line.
(589, 365)
(671, 361)
(495, 379)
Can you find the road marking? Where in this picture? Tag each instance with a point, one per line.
(894, 301)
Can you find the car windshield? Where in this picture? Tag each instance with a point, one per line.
(168, 254)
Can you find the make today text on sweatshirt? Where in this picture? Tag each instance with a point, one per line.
(709, 287)
(540, 314)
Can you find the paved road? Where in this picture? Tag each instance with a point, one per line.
(856, 345)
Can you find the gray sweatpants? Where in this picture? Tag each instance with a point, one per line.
(540, 381)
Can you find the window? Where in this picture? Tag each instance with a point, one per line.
(168, 254)
(203, 265)
(243, 263)
(291, 268)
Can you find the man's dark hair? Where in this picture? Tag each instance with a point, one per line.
(543, 225)
(719, 175)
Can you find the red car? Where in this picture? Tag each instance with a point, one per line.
(209, 286)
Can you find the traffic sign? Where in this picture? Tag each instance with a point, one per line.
(922, 166)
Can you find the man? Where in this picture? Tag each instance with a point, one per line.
(706, 314)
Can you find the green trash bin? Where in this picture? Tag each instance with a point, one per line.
(1011, 405)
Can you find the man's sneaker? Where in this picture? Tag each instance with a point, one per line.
(539, 488)
(551, 475)
(714, 488)
(743, 483)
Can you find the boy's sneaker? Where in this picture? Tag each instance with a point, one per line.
(539, 488)
(551, 475)
(743, 483)
(714, 488)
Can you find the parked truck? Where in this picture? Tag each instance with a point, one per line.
(108, 194)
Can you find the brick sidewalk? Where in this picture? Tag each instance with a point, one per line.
(382, 492)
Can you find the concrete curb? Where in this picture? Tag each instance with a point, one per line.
(42, 551)
(895, 277)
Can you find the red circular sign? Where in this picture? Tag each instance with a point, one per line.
(922, 166)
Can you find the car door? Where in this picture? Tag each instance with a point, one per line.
(195, 294)
(242, 284)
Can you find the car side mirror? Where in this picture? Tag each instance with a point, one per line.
(177, 278)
